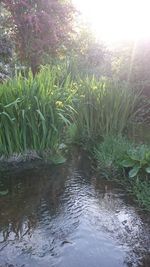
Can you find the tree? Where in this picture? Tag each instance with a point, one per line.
(39, 26)
(88, 56)
(6, 47)
(132, 61)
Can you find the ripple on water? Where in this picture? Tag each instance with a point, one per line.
(64, 217)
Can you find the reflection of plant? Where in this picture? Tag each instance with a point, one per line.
(138, 161)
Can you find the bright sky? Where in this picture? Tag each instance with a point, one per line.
(117, 20)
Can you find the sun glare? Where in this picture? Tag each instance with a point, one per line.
(117, 20)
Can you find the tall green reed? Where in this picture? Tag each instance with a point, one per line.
(34, 112)
(104, 107)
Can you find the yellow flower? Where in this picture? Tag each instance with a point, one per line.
(59, 104)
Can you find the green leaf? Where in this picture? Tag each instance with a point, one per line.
(127, 163)
(147, 156)
(18, 100)
(135, 157)
(4, 193)
(65, 120)
(58, 159)
(133, 172)
(147, 169)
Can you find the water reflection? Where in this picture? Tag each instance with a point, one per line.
(65, 217)
(20, 209)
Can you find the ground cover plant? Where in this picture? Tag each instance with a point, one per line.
(137, 161)
(109, 154)
(126, 162)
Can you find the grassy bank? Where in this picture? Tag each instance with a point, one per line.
(44, 114)
(127, 163)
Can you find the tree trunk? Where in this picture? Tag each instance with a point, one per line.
(34, 64)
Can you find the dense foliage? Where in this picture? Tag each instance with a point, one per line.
(33, 112)
(127, 163)
(6, 46)
(39, 27)
(105, 107)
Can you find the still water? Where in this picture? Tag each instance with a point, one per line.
(66, 217)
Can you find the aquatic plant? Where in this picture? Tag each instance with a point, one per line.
(108, 154)
(39, 113)
(119, 159)
(141, 192)
(34, 112)
(137, 161)
(104, 107)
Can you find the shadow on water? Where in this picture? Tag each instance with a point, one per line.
(66, 217)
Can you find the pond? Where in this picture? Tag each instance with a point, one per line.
(66, 217)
